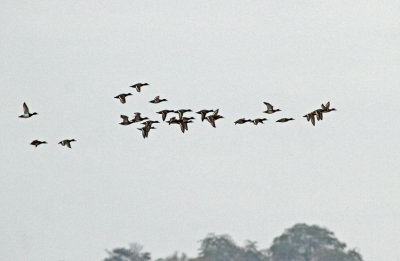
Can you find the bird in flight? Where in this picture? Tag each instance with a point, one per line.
(122, 97)
(66, 142)
(26, 114)
(37, 143)
(285, 120)
(157, 100)
(138, 86)
(270, 108)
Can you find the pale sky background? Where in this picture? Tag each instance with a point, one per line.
(68, 59)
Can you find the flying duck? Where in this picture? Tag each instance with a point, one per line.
(122, 97)
(173, 120)
(125, 120)
(212, 118)
(311, 117)
(145, 131)
(157, 100)
(319, 115)
(66, 143)
(285, 120)
(325, 108)
(138, 86)
(182, 111)
(37, 143)
(242, 121)
(259, 120)
(137, 117)
(186, 120)
(203, 114)
(164, 113)
(270, 108)
(149, 123)
(26, 114)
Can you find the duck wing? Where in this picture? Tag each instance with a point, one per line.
(182, 125)
(269, 106)
(312, 118)
(216, 112)
(26, 109)
(211, 120)
(122, 99)
(124, 118)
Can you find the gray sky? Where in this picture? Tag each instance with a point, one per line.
(67, 61)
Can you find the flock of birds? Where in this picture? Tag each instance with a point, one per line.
(211, 116)
(27, 114)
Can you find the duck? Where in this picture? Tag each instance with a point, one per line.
(138, 86)
(173, 120)
(319, 115)
(38, 142)
(325, 108)
(182, 111)
(311, 117)
(157, 100)
(125, 120)
(164, 113)
(204, 113)
(259, 120)
(122, 97)
(138, 118)
(285, 120)
(186, 120)
(149, 123)
(270, 108)
(26, 114)
(242, 121)
(145, 131)
(66, 142)
(212, 118)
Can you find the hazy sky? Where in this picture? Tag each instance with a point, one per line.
(68, 59)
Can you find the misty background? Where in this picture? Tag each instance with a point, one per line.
(68, 60)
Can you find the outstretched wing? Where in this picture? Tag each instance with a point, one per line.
(216, 112)
(269, 106)
(26, 109)
(125, 118)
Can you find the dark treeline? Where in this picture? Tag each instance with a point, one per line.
(298, 243)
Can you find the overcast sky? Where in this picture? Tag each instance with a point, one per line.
(68, 60)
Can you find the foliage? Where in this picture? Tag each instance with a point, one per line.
(298, 243)
(133, 253)
(310, 243)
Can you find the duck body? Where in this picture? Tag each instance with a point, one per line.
(125, 120)
(285, 120)
(145, 131)
(214, 117)
(26, 114)
(138, 86)
(157, 100)
(204, 113)
(325, 108)
(311, 117)
(66, 142)
(181, 112)
(259, 120)
(149, 123)
(242, 121)
(138, 117)
(122, 97)
(38, 142)
(270, 108)
(164, 113)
